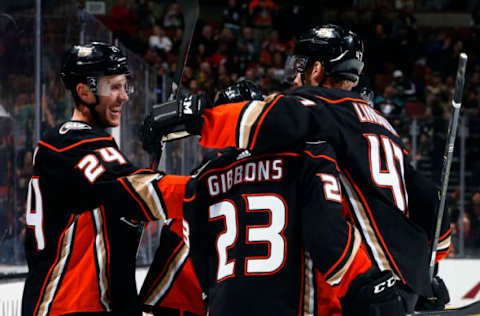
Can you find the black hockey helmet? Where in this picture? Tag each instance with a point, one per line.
(87, 63)
(339, 50)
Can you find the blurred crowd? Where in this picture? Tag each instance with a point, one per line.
(410, 70)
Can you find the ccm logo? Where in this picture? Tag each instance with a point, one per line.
(187, 105)
(385, 284)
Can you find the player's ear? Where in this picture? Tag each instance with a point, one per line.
(83, 92)
(317, 73)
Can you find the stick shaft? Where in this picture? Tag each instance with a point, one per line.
(447, 156)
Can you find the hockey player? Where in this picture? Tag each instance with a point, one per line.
(253, 230)
(391, 203)
(85, 199)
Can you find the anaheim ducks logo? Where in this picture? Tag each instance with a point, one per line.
(83, 51)
(73, 126)
(325, 32)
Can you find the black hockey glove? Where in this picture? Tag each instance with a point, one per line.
(373, 293)
(192, 108)
(150, 135)
(439, 299)
(244, 90)
(178, 116)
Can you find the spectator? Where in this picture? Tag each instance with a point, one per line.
(144, 9)
(220, 56)
(177, 41)
(194, 87)
(247, 46)
(437, 96)
(233, 16)
(173, 17)
(471, 100)
(405, 87)
(437, 48)
(23, 112)
(208, 39)
(159, 41)
(262, 13)
(389, 103)
(378, 46)
(123, 23)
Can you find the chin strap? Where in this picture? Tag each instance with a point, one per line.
(96, 118)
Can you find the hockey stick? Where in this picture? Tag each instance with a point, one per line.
(448, 153)
(168, 112)
(473, 308)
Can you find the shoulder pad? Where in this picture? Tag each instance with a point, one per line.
(71, 134)
(327, 95)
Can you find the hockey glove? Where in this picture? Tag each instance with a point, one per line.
(439, 299)
(192, 107)
(151, 134)
(182, 117)
(373, 294)
(244, 90)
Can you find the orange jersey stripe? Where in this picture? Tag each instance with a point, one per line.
(73, 145)
(40, 297)
(190, 198)
(136, 199)
(374, 224)
(261, 121)
(344, 251)
(162, 273)
(141, 170)
(324, 157)
(341, 100)
(449, 231)
(360, 264)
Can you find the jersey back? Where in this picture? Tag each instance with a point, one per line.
(245, 224)
(373, 163)
(69, 232)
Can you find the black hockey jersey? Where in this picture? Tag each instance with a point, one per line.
(85, 202)
(393, 212)
(257, 227)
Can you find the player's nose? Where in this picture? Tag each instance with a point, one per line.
(123, 95)
(297, 82)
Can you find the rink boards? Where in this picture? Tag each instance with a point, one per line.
(462, 277)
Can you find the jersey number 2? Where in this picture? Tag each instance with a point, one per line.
(271, 234)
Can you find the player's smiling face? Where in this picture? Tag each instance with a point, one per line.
(112, 95)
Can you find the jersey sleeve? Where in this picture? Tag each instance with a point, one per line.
(147, 195)
(171, 280)
(335, 245)
(94, 172)
(423, 196)
(257, 125)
